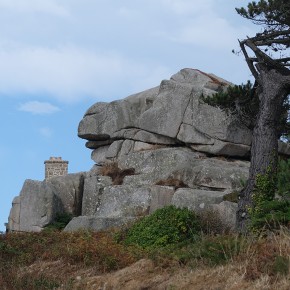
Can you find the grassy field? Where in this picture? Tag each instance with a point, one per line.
(87, 260)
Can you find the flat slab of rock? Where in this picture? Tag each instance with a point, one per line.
(195, 199)
(130, 201)
(96, 223)
(193, 168)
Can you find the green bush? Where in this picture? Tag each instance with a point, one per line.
(270, 212)
(60, 222)
(283, 178)
(166, 226)
(271, 215)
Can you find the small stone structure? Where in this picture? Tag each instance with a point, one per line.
(55, 166)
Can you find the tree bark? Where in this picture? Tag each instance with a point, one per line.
(264, 149)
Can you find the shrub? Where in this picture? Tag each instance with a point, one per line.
(283, 178)
(271, 215)
(112, 170)
(60, 221)
(166, 226)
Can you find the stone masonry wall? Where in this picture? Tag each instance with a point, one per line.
(55, 166)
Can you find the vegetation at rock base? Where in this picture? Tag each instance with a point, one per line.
(60, 222)
(271, 199)
(166, 226)
(283, 179)
(87, 260)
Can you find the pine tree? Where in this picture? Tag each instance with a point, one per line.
(267, 56)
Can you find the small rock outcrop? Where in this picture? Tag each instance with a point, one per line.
(178, 149)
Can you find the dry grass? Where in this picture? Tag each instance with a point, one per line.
(86, 260)
(112, 170)
(75, 251)
(176, 183)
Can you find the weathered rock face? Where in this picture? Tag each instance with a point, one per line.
(183, 152)
(171, 114)
(40, 201)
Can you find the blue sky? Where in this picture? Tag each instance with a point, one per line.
(57, 58)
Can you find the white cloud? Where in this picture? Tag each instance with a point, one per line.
(67, 73)
(105, 47)
(38, 108)
(46, 132)
(210, 31)
(187, 6)
(44, 6)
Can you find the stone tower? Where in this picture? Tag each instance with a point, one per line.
(55, 166)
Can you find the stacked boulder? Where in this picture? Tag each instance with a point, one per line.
(178, 149)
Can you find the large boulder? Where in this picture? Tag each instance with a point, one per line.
(35, 207)
(40, 201)
(171, 114)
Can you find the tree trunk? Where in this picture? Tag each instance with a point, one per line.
(264, 149)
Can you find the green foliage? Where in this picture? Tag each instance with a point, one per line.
(221, 249)
(212, 250)
(263, 199)
(281, 265)
(168, 225)
(271, 214)
(265, 187)
(238, 99)
(242, 101)
(60, 222)
(270, 13)
(283, 178)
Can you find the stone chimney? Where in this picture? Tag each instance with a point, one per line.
(55, 166)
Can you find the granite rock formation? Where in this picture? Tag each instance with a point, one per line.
(181, 150)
